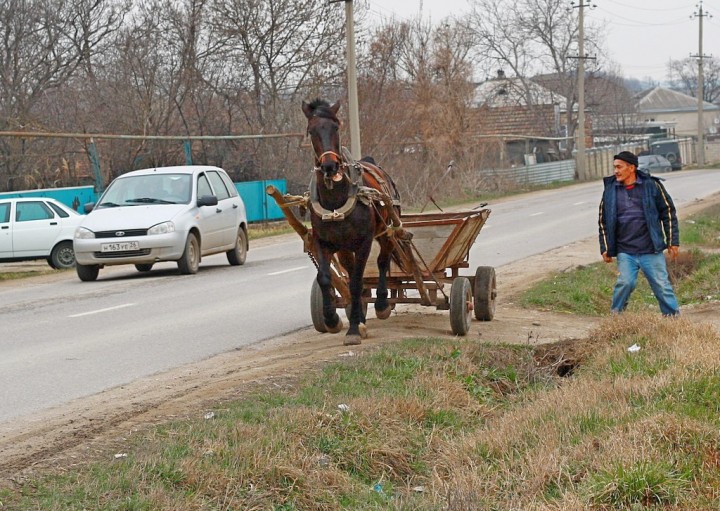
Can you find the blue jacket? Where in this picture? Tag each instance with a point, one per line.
(660, 214)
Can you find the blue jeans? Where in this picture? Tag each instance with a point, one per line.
(655, 271)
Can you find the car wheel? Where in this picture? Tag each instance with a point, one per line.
(87, 273)
(144, 267)
(50, 263)
(63, 255)
(237, 255)
(189, 263)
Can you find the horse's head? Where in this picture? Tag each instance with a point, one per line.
(324, 129)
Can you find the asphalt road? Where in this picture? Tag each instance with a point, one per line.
(61, 339)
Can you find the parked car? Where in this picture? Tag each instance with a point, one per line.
(668, 149)
(654, 163)
(37, 228)
(163, 214)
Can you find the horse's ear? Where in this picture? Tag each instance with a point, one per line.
(334, 109)
(306, 109)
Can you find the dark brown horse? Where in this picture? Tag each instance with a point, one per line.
(346, 216)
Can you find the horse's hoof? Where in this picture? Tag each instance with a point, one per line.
(352, 340)
(335, 329)
(363, 331)
(383, 314)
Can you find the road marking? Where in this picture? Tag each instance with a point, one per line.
(538, 213)
(102, 310)
(579, 203)
(288, 270)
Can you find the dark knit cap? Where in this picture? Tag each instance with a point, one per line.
(627, 157)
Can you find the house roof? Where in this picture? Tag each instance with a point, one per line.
(506, 92)
(662, 100)
(515, 122)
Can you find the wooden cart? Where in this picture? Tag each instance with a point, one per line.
(425, 269)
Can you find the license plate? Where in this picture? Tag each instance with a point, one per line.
(120, 247)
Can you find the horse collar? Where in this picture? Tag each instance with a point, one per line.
(325, 214)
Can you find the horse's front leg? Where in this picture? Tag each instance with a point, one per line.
(382, 306)
(357, 329)
(332, 321)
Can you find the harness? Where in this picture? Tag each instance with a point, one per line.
(357, 191)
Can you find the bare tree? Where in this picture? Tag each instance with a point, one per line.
(44, 43)
(683, 76)
(282, 45)
(536, 41)
(614, 110)
(415, 89)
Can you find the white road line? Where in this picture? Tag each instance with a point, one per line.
(538, 213)
(102, 310)
(288, 270)
(579, 203)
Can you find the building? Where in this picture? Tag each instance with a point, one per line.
(676, 111)
(525, 120)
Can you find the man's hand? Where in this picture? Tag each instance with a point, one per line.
(607, 258)
(673, 251)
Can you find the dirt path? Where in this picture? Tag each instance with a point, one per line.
(99, 425)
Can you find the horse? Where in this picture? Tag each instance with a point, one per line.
(351, 204)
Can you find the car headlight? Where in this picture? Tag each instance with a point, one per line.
(81, 233)
(163, 228)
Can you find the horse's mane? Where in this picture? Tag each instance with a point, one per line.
(321, 108)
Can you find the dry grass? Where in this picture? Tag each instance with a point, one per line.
(451, 425)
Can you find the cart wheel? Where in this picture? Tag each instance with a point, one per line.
(316, 307)
(485, 293)
(460, 305)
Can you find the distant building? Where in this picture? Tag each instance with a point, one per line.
(522, 118)
(677, 111)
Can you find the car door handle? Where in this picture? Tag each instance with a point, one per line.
(53, 223)
(6, 227)
(235, 206)
(218, 210)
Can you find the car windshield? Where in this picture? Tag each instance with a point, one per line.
(148, 189)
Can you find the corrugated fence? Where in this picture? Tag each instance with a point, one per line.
(539, 174)
(599, 164)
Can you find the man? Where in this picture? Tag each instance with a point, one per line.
(637, 223)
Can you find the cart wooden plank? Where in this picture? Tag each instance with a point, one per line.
(442, 240)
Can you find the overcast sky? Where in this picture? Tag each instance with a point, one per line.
(641, 35)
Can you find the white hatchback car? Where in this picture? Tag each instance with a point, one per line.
(163, 214)
(37, 228)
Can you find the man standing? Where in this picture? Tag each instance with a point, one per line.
(637, 223)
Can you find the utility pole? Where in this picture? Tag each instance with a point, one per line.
(700, 87)
(351, 69)
(580, 161)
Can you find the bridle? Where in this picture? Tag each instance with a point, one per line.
(334, 158)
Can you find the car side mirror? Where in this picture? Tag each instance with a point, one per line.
(88, 207)
(207, 200)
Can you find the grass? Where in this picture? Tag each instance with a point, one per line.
(14, 275)
(588, 289)
(428, 424)
(267, 229)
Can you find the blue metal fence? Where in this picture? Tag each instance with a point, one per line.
(258, 204)
(75, 197)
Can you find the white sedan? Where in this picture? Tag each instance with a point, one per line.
(37, 228)
(163, 214)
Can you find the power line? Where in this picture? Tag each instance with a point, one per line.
(649, 9)
(639, 24)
